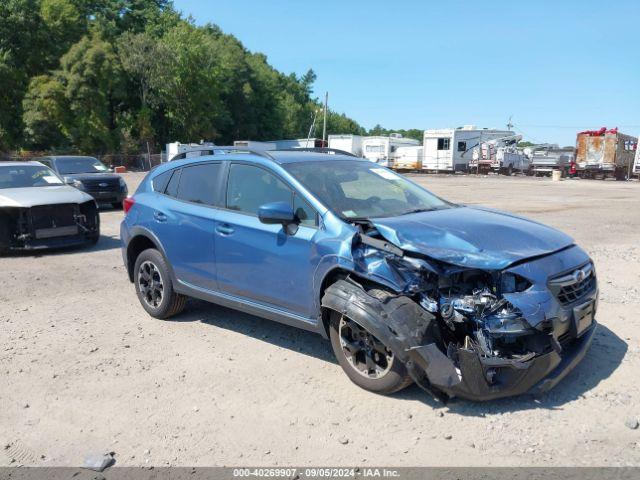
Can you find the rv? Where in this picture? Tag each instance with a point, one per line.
(347, 143)
(450, 149)
(408, 158)
(382, 149)
(605, 153)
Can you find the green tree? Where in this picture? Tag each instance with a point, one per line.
(45, 113)
(92, 79)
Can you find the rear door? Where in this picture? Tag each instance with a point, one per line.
(185, 218)
(262, 262)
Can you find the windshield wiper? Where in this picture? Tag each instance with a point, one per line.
(418, 210)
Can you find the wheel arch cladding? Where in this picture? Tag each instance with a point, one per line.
(396, 320)
(136, 246)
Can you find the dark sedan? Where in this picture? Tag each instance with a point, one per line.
(89, 175)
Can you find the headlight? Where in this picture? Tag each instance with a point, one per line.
(77, 184)
(123, 185)
(506, 323)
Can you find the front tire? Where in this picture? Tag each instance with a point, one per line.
(154, 287)
(366, 360)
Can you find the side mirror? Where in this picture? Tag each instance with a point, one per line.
(277, 213)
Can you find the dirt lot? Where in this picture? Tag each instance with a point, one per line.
(85, 370)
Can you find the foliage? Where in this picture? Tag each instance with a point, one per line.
(101, 76)
(411, 133)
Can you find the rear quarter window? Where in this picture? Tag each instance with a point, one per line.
(161, 181)
(172, 186)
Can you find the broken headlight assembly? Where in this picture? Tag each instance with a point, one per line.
(473, 313)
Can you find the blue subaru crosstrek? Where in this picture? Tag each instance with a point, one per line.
(464, 301)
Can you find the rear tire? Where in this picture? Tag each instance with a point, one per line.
(391, 379)
(154, 287)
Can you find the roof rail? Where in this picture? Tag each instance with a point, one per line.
(211, 150)
(327, 150)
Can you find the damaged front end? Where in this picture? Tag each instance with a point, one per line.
(48, 226)
(474, 333)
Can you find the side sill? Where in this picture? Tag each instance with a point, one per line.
(250, 307)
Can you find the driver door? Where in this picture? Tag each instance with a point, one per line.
(260, 262)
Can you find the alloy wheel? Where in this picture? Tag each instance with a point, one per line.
(150, 284)
(365, 353)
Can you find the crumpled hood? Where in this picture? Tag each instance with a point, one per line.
(32, 196)
(471, 237)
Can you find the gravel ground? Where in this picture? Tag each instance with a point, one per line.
(85, 370)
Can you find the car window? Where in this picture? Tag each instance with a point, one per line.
(356, 189)
(25, 176)
(199, 183)
(72, 165)
(45, 162)
(251, 187)
(160, 182)
(172, 186)
(305, 212)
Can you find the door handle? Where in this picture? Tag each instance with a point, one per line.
(159, 216)
(224, 229)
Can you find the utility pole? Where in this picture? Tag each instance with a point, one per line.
(324, 124)
(509, 124)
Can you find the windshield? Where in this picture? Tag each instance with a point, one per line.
(357, 189)
(71, 165)
(21, 176)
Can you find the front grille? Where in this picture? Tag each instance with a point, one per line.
(53, 216)
(106, 185)
(571, 287)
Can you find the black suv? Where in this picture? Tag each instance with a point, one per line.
(89, 175)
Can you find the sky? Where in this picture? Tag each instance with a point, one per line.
(554, 67)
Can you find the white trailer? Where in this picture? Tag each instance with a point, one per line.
(450, 149)
(253, 145)
(298, 143)
(189, 149)
(408, 158)
(382, 149)
(636, 162)
(347, 143)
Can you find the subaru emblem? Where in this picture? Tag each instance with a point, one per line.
(579, 275)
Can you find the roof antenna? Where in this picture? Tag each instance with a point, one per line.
(312, 128)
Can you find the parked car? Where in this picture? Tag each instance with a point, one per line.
(464, 301)
(89, 175)
(37, 210)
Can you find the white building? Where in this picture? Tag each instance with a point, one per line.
(382, 149)
(450, 149)
(347, 143)
(253, 145)
(189, 149)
